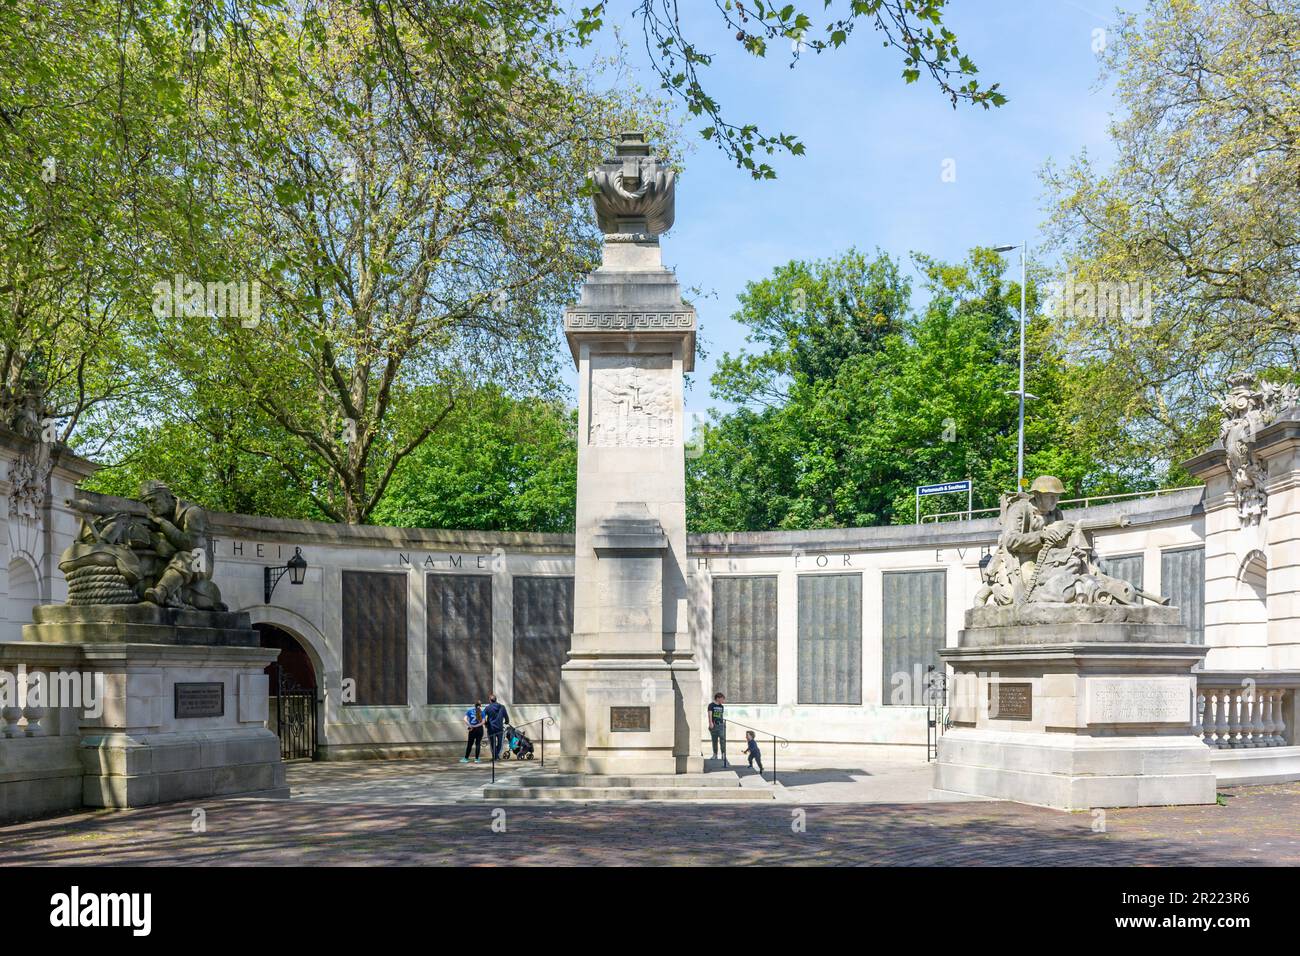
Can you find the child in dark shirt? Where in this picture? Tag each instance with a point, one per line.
(752, 752)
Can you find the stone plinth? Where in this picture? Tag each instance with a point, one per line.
(694, 787)
(1077, 713)
(40, 769)
(183, 714)
(138, 624)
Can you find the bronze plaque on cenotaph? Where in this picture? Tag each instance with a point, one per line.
(200, 699)
(629, 719)
(1011, 701)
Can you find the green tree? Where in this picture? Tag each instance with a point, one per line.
(927, 401)
(201, 455)
(500, 464)
(411, 241)
(807, 319)
(913, 29)
(89, 109)
(1197, 218)
(497, 464)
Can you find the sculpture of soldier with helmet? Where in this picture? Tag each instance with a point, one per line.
(1043, 558)
(123, 556)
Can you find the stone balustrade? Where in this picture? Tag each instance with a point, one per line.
(40, 767)
(1240, 711)
(20, 664)
(23, 721)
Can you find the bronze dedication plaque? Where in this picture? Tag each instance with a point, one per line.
(201, 699)
(629, 719)
(1011, 701)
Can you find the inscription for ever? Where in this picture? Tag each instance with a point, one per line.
(1011, 701)
(632, 401)
(201, 699)
(1150, 701)
(629, 719)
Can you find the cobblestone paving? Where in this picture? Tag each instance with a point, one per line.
(1259, 825)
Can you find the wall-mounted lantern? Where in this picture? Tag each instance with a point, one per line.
(296, 569)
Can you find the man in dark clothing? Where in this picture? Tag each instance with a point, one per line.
(495, 716)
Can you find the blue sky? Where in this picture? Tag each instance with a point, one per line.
(876, 148)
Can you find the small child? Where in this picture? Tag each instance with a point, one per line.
(752, 752)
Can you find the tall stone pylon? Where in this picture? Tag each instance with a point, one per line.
(630, 690)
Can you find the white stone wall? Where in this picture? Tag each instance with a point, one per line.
(311, 612)
(36, 482)
(244, 546)
(1252, 568)
(1146, 526)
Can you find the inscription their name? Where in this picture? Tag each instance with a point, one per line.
(1150, 701)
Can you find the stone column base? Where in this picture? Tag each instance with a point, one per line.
(618, 716)
(127, 771)
(179, 722)
(1075, 773)
(1075, 707)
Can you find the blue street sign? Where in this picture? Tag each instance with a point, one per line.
(943, 489)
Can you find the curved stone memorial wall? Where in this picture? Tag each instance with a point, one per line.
(822, 637)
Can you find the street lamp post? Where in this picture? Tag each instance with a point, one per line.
(1020, 436)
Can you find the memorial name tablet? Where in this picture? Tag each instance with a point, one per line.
(1011, 701)
(201, 699)
(629, 719)
(1138, 701)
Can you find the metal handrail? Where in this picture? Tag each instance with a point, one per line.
(785, 741)
(1086, 502)
(934, 518)
(544, 720)
(546, 717)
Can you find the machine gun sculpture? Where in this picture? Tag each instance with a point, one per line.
(1042, 558)
(155, 554)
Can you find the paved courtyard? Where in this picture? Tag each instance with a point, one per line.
(412, 812)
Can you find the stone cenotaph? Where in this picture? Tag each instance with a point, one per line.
(1068, 690)
(630, 692)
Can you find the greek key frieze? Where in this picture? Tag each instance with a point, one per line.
(600, 321)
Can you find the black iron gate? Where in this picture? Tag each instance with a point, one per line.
(936, 709)
(295, 718)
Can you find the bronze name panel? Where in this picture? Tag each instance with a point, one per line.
(375, 636)
(200, 699)
(1011, 701)
(629, 720)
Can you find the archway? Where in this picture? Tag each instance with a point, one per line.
(292, 709)
(1249, 607)
(1254, 576)
(24, 595)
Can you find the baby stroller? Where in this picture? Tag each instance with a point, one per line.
(517, 744)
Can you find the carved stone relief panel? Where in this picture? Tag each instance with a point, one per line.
(631, 401)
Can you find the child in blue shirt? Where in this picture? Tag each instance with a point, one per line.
(752, 752)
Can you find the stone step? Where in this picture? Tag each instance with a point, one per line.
(627, 793)
(653, 780)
